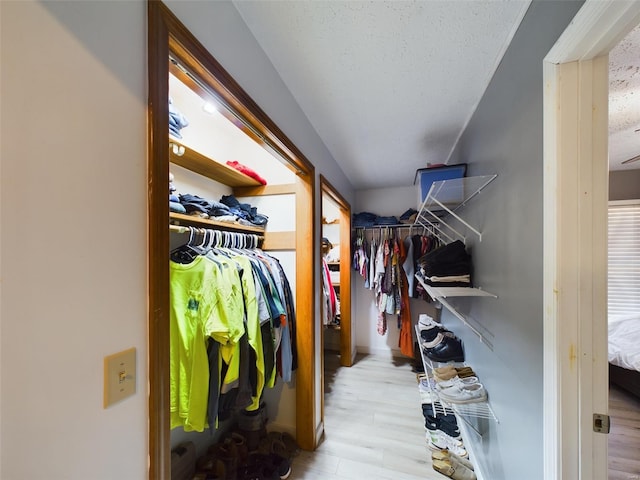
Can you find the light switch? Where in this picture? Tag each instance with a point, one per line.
(119, 376)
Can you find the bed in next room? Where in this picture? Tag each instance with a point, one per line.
(624, 351)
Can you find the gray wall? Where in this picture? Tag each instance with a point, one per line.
(504, 137)
(624, 184)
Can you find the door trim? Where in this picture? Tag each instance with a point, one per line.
(166, 33)
(346, 337)
(575, 264)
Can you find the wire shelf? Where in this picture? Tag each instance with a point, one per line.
(477, 410)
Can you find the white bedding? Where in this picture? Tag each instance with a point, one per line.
(624, 341)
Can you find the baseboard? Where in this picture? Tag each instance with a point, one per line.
(467, 434)
(281, 427)
(384, 352)
(319, 433)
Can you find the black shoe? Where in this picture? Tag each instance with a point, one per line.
(427, 411)
(444, 349)
(438, 423)
(430, 334)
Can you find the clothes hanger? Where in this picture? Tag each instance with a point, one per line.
(185, 253)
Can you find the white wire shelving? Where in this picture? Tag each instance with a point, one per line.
(441, 294)
(464, 412)
(444, 199)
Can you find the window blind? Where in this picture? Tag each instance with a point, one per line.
(624, 257)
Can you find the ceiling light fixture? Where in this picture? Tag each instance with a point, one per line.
(209, 108)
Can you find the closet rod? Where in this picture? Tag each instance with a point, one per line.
(398, 225)
(183, 229)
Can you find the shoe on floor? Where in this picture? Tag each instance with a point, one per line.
(462, 394)
(436, 440)
(446, 455)
(436, 423)
(465, 372)
(459, 472)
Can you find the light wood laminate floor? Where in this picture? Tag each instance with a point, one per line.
(374, 428)
(624, 438)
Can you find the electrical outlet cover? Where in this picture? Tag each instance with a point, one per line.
(119, 376)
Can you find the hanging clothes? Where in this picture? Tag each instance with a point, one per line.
(405, 340)
(232, 322)
(329, 295)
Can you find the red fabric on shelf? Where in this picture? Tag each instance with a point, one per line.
(247, 171)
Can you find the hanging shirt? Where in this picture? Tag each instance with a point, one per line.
(195, 315)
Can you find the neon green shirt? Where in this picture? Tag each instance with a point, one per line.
(198, 309)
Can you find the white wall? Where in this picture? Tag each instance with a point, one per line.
(73, 215)
(73, 220)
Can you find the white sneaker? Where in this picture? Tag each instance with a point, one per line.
(426, 387)
(455, 381)
(437, 440)
(461, 393)
(425, 321)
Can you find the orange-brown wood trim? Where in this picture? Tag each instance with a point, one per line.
(158, 246)
(345, 269)
(190, 220)
(197, 59)
(279, 241)
(168, 35)
(345, 287)
(210, 168)
(306, 415)
(283, 189)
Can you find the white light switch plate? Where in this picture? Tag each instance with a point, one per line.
(119, 376)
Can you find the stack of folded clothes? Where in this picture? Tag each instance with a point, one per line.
(177, 121)
(174, 200)
(364, 219)
(228, 209)
(447, 266)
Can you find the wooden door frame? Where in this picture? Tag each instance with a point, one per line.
(575, 238)
(346, 339)
(346, 335)
(167, 34)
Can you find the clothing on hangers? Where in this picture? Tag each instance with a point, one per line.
(231, 324)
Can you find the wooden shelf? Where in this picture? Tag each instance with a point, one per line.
(190, 220)
(199, 163)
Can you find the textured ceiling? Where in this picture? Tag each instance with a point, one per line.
(624, 102)
(390, 85)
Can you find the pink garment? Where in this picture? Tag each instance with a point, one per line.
(247, 171)
(333, 299)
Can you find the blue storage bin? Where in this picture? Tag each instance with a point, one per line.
(426, 176)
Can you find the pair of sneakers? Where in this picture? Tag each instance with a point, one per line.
(438, 440)
(453, 466)
(460, 388)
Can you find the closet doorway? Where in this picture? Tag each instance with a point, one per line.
(336, 333)
(336, 229)
(174, 51)
(575, 180)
